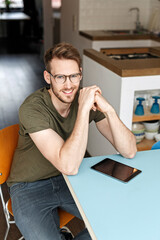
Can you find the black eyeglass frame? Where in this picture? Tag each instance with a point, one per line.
(65, 77)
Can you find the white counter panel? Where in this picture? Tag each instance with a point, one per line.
(120, 94)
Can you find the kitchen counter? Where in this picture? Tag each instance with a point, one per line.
(128, 68)
(119, 80)
(112, 35)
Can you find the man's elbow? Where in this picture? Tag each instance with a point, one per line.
(70, 170)
(133, 148)
(132, 154)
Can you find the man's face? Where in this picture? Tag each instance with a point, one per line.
(64, 92)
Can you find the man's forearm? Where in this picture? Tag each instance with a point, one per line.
(123, 139)
(73, 150)
(115, 131)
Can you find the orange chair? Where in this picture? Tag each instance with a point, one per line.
(8, 143)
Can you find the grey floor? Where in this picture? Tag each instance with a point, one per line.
(21, 73)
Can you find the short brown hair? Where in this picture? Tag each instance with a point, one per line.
(61, 51)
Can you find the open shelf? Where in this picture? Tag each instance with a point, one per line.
(145, 145)
(148, 116)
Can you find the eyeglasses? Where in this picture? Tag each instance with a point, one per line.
(60, 78)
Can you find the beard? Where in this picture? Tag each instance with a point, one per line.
(62, 97)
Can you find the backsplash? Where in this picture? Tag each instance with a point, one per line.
(114, 14)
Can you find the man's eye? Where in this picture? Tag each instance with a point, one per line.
(60, 76)
(74, 75)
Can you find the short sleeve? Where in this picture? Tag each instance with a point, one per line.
(96, 116)
(33, 118)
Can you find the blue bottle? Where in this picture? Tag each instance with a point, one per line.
(139, 109)
(155, 105)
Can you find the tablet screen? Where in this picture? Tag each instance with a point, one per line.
(116, 169)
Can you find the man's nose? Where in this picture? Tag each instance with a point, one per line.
(68, 82)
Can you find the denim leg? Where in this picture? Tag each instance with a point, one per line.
(68, 204)
(65, 198)
(35, 208)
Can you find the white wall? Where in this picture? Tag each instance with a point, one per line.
(154, 21)
(100, 15)
(105, 14)
(69, 20)
(70, 25)
(113, 14)
(154, 3)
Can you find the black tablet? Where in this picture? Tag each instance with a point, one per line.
(116, 169)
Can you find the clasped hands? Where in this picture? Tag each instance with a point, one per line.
(92, 97)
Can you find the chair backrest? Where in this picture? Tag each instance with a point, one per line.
(156, 145)
(8, 143)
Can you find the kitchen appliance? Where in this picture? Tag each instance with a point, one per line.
(129, 53)
(132, 56)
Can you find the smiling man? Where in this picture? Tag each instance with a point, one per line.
(54, 123)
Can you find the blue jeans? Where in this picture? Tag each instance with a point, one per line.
(35, 208)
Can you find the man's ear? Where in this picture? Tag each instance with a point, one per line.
(47, 77)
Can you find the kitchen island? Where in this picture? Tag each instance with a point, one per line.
(117, 38)
(119, 79)
(96, 35)
(128, 68)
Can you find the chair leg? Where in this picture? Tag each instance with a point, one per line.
(21, 238)
(5, 213)
(7, 216)
(7, 231)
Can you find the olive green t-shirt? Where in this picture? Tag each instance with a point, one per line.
(35, 114)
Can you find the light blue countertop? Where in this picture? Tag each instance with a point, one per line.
(117, 210)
